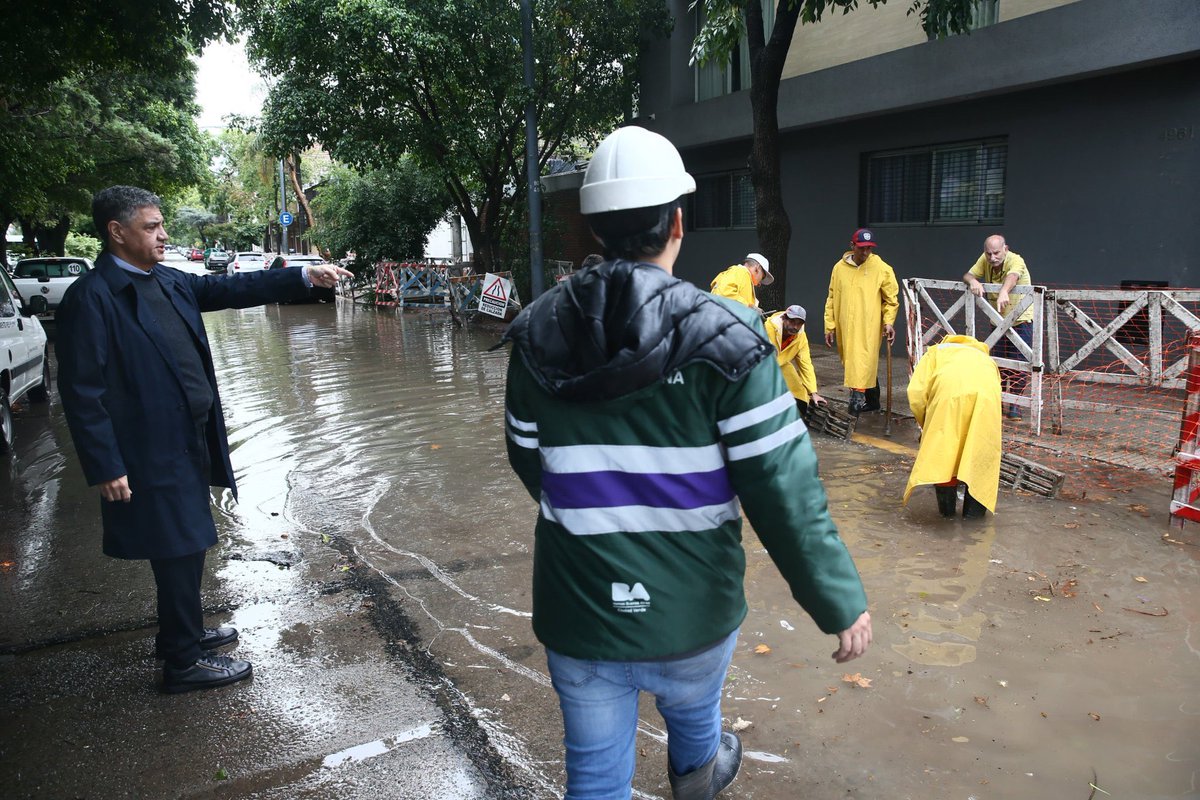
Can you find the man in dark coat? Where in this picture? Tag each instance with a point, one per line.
(136, 378)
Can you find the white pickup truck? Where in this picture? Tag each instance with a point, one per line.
(43, 281)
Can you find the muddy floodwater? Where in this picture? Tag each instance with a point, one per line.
(1050, 651)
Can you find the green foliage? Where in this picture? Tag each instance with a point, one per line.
(93, 94)
(379, 214)
(188, 220)
(375, 80)
(724, 20)
(82, 245)
(236, 235)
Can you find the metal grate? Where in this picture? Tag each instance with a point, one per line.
(961, 183)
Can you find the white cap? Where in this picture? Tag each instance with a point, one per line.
(633, 168)
(768, 278)
(796, 312)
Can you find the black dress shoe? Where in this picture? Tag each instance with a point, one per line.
(211, 640)
(208, 672)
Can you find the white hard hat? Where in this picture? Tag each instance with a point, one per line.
(768, 278)
(633, 168)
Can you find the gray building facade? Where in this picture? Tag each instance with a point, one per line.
(1083, 119)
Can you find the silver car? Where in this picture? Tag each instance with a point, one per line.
(24, 361)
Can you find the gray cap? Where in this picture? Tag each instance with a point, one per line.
(796, 312)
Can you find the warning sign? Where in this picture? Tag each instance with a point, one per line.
(494, 299)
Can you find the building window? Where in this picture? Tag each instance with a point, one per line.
(714, 79)
(722, 201)
(956, 183)
(983, 14)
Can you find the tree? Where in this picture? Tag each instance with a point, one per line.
(374, 80)
(725, 23)
(96, 93)
(383, 214)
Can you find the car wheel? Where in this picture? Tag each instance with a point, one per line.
(7, 434)
(41, 393)
(38, 304)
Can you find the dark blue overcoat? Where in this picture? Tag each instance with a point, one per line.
(126, 408)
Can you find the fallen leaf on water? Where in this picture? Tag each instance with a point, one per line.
(858, 680)
(1069, 588)
(1098, 608)
(642, 752)
(1138, 507)
(982, 701)
(222, 775)
(831, 689)
(740, 724)
(1094, 716)
(960, 739)
(505, 697)
(1044, 714)
(823, 699)
(1071, 525)
(1140, 579)
(762, 649)
(1043, 599)
(435, 447)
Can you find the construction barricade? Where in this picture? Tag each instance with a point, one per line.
(1187, 460)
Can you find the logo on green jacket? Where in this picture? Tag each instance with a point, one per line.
(630, 600)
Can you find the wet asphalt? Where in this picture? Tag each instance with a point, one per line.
(378, 562)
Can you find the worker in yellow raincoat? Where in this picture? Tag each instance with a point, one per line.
(785, 329)
(738, 282)
(955, 396)
(860, 310)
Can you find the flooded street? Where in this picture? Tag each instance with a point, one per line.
(378, 566)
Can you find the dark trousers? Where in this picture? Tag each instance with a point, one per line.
(1011, 379)
(180, 616)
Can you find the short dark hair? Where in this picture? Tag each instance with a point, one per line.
(634, 233)
(119, 203)
(591, 260)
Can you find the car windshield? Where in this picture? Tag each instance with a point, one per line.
(50, 269)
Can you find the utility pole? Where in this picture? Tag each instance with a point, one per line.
(537, 272)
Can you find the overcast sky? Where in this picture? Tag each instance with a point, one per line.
(225, 85)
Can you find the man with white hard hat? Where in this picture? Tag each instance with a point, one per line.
(738, 281)
(639, 411)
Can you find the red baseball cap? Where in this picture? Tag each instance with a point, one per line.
(862, 238)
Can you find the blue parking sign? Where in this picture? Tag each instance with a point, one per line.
(286, 218)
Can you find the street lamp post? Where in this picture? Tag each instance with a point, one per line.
(536, 272)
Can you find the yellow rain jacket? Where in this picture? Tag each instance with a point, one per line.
(955, 396)
(736, 284)
(794, 360)
(862, 299)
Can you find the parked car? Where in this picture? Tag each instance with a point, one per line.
(195, 254)
(43, 281)
(246, 262)
(24, 360)
(217, 260)
(317, 294)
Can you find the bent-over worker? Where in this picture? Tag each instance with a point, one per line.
(738, 282)
(955, 396)
(785, 329)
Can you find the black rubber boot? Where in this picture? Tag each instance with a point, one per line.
(947, 499)
(706, 782)
(858, 402)
(972, 508)
(872, 397)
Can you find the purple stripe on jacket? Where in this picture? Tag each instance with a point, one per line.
(608, 489)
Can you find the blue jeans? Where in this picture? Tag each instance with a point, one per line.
(599, 701)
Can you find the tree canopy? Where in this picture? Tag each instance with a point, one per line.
(375, 80)
(93, 94)
(383, 214)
